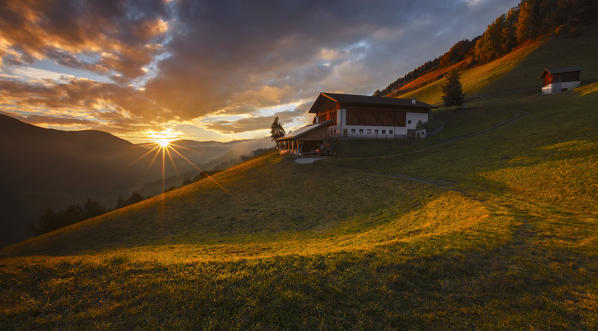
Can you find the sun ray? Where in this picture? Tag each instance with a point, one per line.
(203, 171)
(144, 154)
(183, 147)
(154, 158)
(163, 170)
(168, 148)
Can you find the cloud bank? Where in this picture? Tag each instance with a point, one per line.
(189, 61)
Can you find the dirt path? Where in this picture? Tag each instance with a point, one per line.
(517, 115)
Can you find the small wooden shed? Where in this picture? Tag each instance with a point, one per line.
(557, 80)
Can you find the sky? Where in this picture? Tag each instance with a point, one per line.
(212, 70)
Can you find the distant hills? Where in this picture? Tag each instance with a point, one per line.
(44, 168)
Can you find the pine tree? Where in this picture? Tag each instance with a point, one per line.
(277, 130)
(453, 91)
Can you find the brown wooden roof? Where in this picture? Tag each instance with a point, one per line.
(303, 130)
(560, 70)
(353, 99)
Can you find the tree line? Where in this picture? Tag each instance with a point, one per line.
(527, 21)
(54, 219)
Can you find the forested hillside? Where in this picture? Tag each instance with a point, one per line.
(527, 21)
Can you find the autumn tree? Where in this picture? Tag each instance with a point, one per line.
(456, 53)
(277, 130)
(528, 21)
(508, 35)
(453, 91)
(489, 46)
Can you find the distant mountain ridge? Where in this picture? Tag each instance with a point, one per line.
(44, 168)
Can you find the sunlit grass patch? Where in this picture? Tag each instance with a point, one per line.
(573, 146)
(587, 89)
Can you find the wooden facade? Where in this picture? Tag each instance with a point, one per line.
(557, 80)
(571, 76)
(357, 116)
(371, 116)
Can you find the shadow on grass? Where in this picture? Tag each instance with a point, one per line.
(517, 284)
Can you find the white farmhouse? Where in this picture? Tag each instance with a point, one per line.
(557, 80)
(358, 116)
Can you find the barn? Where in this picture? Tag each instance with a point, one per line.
(349, 116)
(557, 80)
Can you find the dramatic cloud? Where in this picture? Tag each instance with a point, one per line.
(82, 102)
(181, 61)
(123, 35)
(253, 123)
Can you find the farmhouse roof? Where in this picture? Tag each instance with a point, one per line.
(560, 70)
(353, 99)
(303, 130)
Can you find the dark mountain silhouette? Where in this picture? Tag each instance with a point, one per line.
(47, 168)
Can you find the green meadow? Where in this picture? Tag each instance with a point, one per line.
(493, 223)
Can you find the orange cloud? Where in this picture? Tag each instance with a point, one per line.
(59, 30)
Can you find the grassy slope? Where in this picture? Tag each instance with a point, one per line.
(424, 80)
(478, 78)
(341, 244)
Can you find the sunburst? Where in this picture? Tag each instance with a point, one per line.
(163, 144)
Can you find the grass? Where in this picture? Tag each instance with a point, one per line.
(477, 79)
(507, 239)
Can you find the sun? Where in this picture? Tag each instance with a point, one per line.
(162, 138)
(163, 142)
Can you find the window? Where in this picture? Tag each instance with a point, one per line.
(352, 130)
(368, 131)
(360, 130)
(383, 131)
(389, 131)
(376, 131)
(344, 132)
(409, 122)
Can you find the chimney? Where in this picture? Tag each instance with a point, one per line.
(413, 101)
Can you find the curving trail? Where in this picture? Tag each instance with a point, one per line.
(517, 115)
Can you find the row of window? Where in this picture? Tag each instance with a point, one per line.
(369, 131)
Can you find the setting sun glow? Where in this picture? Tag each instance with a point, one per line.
(162, 138)
(162, 142)
(164, 147)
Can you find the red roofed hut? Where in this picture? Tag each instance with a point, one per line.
(557, 80)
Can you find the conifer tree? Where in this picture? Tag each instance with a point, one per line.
(277, 130)
(453, 91)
